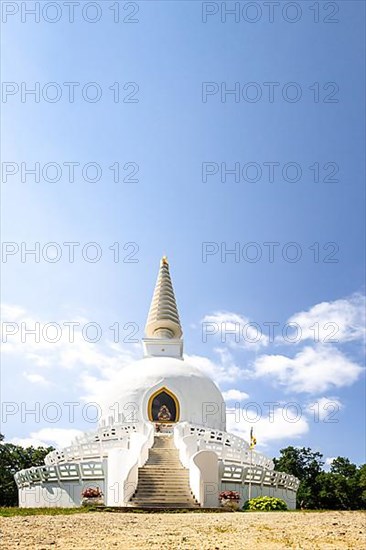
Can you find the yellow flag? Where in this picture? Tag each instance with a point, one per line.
(253, 440)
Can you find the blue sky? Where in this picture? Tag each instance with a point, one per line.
(169, 133)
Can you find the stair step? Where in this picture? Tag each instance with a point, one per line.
(186, 493)
(158, 469)
(163, 491)
(163, 482)
(159, 472)
(149, 475)
(169, 483)
(161, 450)
(160, 478)
(164, 465)
(163, 497)
(157, 504)
(157, 486)
(171, 499)
(173, 458)
(163, 505)
(164, 459)
(152, 492)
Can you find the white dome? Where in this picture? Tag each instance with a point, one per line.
(198, 399)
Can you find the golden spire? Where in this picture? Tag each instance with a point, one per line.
(163, 319)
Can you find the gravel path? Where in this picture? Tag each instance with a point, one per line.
(130, 531)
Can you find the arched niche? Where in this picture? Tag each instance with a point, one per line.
(163, 406)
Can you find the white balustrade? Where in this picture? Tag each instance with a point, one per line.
(68, 471)
(60, 472)
(92, 470)
(84, 458)
(76, 461)
(97, 444)
(227, 446)
(239, 464)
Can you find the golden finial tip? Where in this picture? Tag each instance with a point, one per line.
(164, 260)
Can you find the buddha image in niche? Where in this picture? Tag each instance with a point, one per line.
(164, 414)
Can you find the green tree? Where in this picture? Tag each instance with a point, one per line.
(361, 473)
(342, 488)
(306, 465)
(336, 492)
(343, 466)
(12, 459)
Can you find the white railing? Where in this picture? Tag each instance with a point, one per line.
(83, 459)
(239, 464)
(98, 443)
(236, 473)
(211, 436)
(228, 447)
(60, 472)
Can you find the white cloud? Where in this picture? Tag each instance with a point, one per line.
(312, 370)
(35, 378)
(28, 442)
(283, 423)
(223, 370)
(338, 321)
(325, 409)
(12, 312)
(328, 462)
(233, 330)
(71, 350)
(57, 437)
(235, 395)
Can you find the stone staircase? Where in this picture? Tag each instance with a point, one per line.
(163, 482)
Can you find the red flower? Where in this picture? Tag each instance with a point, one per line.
(92, 492)
(229, 495)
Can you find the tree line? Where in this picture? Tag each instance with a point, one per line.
(12, 459)
(343, 487)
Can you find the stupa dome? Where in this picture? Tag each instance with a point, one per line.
(190, 394)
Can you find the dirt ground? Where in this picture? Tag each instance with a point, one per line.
(127, 531)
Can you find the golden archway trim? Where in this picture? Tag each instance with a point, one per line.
(176, 402)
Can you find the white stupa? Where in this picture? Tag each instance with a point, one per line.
(164, 444)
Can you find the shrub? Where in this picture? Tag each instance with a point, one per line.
(265, 504)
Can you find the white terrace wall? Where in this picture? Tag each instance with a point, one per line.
(53, 495)
(58, 486)
(237, 466)
(67, 472)
(287, 495)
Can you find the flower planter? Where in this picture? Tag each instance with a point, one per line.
(92, 496)
(92, 501)
(230, 500)
(230, 504)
